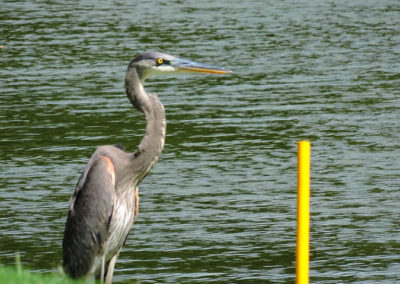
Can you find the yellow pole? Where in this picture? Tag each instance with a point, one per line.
(303, 213)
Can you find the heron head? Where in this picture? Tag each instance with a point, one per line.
(157, 63)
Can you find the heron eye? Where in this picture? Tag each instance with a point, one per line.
(160, 61)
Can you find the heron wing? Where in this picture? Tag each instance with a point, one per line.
(91, 209)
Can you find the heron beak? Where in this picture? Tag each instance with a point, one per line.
(182, 65)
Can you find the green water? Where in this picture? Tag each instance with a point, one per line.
(221, 204)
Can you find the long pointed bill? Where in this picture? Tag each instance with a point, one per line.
(182, 65)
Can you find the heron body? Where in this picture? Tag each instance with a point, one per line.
(105, 202)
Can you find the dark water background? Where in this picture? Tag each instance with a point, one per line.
(221, 204)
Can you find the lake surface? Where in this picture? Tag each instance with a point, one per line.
(221, 204)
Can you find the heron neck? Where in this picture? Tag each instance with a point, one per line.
(149, 150)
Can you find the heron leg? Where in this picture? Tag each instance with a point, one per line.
(110, 270)
(102, 268)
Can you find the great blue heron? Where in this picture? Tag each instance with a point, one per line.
(105, 202)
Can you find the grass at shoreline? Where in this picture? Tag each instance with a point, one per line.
(16, 275)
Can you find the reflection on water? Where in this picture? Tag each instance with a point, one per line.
(220, 205)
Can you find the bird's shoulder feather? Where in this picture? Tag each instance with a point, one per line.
(91, 209)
